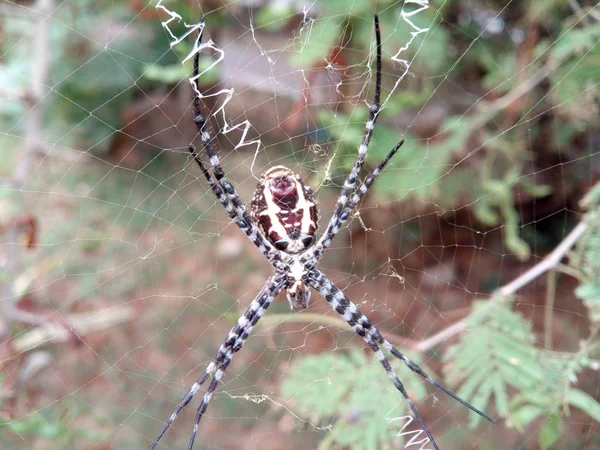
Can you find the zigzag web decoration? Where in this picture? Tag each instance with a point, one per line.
(414, 434)
(199, 47)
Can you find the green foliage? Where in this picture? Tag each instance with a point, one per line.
(576, 57)
(59, 425)
(175, 72)
(274, 15)
(426, 171)
(587, 256)
(318, 41)
(498, 363)
(350, 25)
(496, 353)
(353, 395)
(92, 80)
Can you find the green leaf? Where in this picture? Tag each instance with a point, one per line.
(496, 353)
(343, 7)
(525, 415)
(585, 402)
(552, 430)
(590, 294)
(352, 390)
(274, 15)
(576, 40)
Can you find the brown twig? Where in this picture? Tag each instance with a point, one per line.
(79, 324)
(576, 7)
(9, 310)
(549, 311)
(503, 294)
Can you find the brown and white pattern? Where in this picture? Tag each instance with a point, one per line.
(285, 210)
(283, 225)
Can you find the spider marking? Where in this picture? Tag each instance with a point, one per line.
(283, 227)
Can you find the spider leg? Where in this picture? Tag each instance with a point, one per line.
(397, 383)
(338, 220)
(350, 182)
(245, 222)
(222, 188)
(235, 339)
(204, 130)
(364, 328)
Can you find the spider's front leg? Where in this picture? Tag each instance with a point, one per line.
(223, 189)
(235, 339)
(364, 328)
(361, 155)
(245, 222)
(338, 219)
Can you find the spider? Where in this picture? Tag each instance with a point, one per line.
(283, 225)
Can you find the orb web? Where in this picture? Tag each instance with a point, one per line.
(474, 251)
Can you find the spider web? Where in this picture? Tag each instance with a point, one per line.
(121, 274)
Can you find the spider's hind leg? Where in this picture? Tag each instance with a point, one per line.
(364, 328)
(235, 339)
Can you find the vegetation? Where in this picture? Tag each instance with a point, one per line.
(477, 250)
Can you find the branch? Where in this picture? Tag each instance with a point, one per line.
(501, 295)
(34, 96)
(551, 261)
(80, 324)
(582, 13)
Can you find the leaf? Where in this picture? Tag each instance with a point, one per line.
(585, 402)
(274, 15)
(552, 430)
(352, 390)
(576, 40)
(525, 415)
(343, 7)
(590, 294)
(496, 353)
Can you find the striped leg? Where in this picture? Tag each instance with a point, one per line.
(222, 188)
(203, 128)
(363, 327)
(245, 222)
(350, 182)
(338, 219)
(237, 335)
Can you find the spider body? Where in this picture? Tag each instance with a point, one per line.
(283, 227)
(285, 210)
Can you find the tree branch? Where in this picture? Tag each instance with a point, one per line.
(33, 96)
(501, 295)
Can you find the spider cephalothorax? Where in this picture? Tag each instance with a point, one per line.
(285, 210)
(282, 226)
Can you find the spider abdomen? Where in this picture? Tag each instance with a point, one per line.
(285, 210)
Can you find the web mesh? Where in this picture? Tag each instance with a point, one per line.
(121, 274)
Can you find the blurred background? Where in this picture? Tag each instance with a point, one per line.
(477, 251)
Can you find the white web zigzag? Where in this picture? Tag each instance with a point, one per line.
(406, 16)
(199, 47)
(414, 434)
